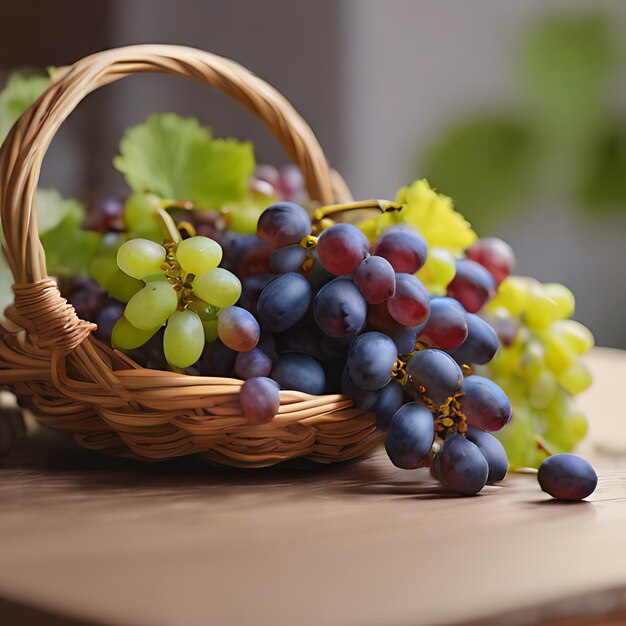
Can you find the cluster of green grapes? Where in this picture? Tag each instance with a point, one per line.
(178, 284)
(539, 367)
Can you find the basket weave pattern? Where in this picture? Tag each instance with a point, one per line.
(75, 383)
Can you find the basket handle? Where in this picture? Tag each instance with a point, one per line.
(26, 144)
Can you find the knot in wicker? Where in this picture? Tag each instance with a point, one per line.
(72, 381)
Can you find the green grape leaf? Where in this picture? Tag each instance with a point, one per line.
(177, 159)
(18, 94)
(69, 249)
(605, 185)
(484, 164)
(52, 209)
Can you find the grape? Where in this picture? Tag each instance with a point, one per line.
(362, 398)
(123, 287)
(140, 258)
(183, 340)
(150, 307)
(238, 329)
(252, 364)
(563, 299)
(447, 326)
(87, 298)
(473, 286)
(218, 359)
(436, 372)
(268, 345)
(284, 301)
(542, 310)
(567, 477)
(390, 399)
(260, 399)
(375, 279)
(461, 465)
(210, 330)
(341, 248)
(339, 308)
(105, 214)
(574, 335)
(103, 264)
(267, 173)
(484, 404)
(289, 259)
(303, 339)
(291, 184)
(106, 319)
(575, 379)
(405, 338)
(438, 271)
(198, 255)
(481, 344)
(251, 288)
(379, 318)
(492, 450)
(299, 372)
(410, 436)
(141, 218)
(218, 287)
(371, 359)
(283, 224)
(245, 255)
(494, 255)
(404, 248)
(410, 305)
(542, 389)
(125, 336)
(318, 277)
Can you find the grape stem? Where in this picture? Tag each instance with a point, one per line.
(384, 206)
(170, 226)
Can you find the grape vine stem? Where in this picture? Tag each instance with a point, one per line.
(384, 206)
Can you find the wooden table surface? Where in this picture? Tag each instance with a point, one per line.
(84, 539)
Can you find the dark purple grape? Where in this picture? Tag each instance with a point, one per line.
(217, 359)
(299, 372)
(481, 344)
(390, 399)
(87, 298)
(492, 450)
(405, 338)
(362, 398)
(245, 255)
(284, 302)
(319, 276)
(105, 213)
(375, 279)
(567, 477)
(341, 248)
(340, 309)
(283, 224)
(304, 339)
(109, 314)
(484, 404)
(410, 305)
(288, 259)
(251, 288)
(461, 465)
(473, 286)
(410, 436)
(435, 372)
(259, 399)
(371, 359)
(404, 248)
(252, 364)
(267, 343)
(494, 255)
(446, 327)
(379, 318)
(238, 329)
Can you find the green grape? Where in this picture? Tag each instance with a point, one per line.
(150, 307)
(577, 337)
(558, 355)
(542, 389)
(140, 258)
(512, 295)
(564, 427)
(541, 311)
(123, 287)
(516, 435)
(125, 336)
(198, 255)
(205, 311)
(183, 340)
(218, 287)
(141, 217)
(532, 362)
(244, 218)
(562, 297)
(438, 271)
(103, 264)
(210, 330)
(575, 379)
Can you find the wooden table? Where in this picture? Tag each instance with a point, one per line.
(85, 539)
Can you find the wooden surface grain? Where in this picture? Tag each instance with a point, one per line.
(107, 541)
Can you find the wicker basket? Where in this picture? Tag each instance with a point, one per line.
(75, 383)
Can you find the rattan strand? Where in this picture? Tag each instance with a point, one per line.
(75, 383)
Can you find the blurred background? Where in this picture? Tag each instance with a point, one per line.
(515, 109)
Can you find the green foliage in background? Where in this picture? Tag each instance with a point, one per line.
(566, 139)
